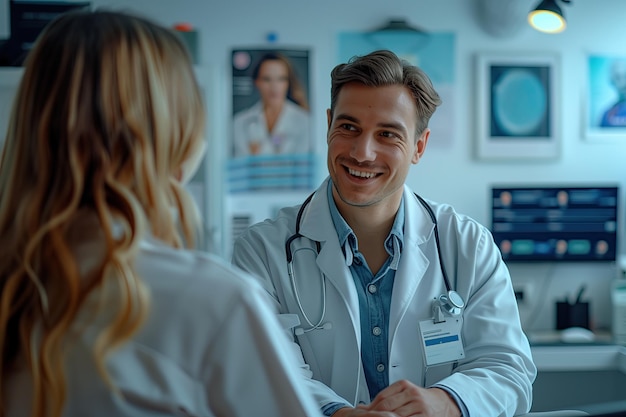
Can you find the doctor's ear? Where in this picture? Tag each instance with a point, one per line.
(420, 145)
(329, 116)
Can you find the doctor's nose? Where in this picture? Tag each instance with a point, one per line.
(364, 148)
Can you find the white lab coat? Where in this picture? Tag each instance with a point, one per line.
(496, 376)
(292, 130)
(210, 347)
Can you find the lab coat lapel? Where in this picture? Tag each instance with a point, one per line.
(317, 225)
(418, 228)
(332, 264)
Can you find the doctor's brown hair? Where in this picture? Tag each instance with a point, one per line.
(383, 68)
(107, 112)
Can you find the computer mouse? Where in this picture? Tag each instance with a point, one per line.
(577, 335)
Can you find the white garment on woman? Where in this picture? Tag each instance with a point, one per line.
(291, 133)
(210, 347)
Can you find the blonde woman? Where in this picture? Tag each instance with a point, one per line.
(103, 312)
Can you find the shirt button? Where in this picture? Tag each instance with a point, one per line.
(380, 367)
(376, 331)
(372, 289)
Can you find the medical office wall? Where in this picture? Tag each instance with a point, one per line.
(448, 172)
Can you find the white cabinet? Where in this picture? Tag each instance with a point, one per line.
(588, 377)
(207, 197)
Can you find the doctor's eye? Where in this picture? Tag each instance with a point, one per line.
(389, 134)
(348, 126)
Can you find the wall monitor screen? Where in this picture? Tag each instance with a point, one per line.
(555, 223)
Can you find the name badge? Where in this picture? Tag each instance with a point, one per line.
(442, 341)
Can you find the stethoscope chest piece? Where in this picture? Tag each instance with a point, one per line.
(451, 302)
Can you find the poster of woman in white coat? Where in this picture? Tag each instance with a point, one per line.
(270, 106)
(271, 148)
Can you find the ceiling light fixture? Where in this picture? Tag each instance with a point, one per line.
(548, 17)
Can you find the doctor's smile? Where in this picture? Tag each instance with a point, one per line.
(361, 174)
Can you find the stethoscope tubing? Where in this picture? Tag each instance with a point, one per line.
(436, 231)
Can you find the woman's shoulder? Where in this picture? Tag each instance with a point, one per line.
(190, 276)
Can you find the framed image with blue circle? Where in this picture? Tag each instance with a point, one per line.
(517, 111)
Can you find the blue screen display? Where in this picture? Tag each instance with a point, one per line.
(555, 223)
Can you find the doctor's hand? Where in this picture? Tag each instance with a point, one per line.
(407, 399)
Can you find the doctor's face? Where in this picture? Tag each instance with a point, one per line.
(372, 144)
(273, 82)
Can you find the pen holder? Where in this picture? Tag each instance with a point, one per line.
(572, 315)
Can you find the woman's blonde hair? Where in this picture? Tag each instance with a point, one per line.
(107, 111)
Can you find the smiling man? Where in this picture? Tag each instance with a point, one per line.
(397, 306)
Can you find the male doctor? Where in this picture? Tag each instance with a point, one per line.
(397, 306)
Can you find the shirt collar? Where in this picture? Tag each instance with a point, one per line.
(348, 240)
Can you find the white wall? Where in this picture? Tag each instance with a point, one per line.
(450, 174)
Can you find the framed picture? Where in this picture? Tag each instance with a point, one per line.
(606, 97)
(271, 148)
(518, 112)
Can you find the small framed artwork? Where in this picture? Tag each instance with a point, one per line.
(606, 97)
(518, 112)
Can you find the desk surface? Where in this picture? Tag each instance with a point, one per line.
(553, 337)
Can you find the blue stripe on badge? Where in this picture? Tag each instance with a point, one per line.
(441, 340)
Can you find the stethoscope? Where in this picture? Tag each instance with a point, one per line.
(450, 302)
